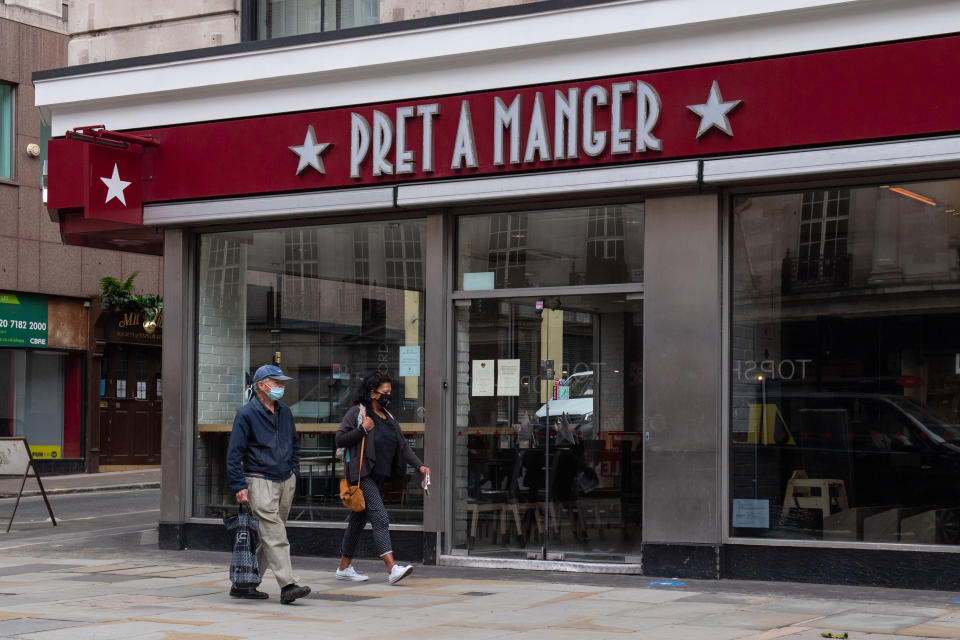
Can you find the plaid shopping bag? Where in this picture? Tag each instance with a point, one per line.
(244, 569)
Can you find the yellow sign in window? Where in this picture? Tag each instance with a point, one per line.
(45, 452)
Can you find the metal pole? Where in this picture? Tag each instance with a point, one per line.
(760, 434)
(546, 458)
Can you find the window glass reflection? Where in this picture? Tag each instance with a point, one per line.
(279, 18)
(549, 451)
(559, 247)
(330, 304)
(846, 364)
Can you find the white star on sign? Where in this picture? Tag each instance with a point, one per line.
(309, 152)
(714, 112)
(115, 186)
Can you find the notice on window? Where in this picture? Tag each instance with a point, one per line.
(751, 514)
(508, 377)
(409, 361)
(482, 378)
(46, 452)
(479, 281)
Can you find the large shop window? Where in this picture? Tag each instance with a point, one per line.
(6, 131)
(330, 304)
(549, 453)
(279, 18)
(32, 400)
(846, 364)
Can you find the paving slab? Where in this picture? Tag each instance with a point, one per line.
(165, 596)
(694, 632)
(13, 570)
(444, 631)
(876, 622)
(682, 610)
(814, 634)
(641, 595)
(812, 607)
(174, 591)
(103, 577)
(932, 630)
(753, 619)
(728, 598)
(28, 625)
(951, 619)
(906, 609)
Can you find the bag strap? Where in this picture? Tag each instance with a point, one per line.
(363, 442)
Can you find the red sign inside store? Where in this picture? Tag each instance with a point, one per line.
(870, 93)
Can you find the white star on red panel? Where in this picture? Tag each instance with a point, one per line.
(115, 186)
(714, 112)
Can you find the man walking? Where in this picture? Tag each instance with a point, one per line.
(263, 459)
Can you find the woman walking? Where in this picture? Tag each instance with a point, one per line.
(385, 455)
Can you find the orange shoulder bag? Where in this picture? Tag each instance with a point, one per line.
(350, 495)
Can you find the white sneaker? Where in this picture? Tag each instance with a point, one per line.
(399, 572)
(351, 574)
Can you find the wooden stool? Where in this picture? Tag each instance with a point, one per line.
(510, 508)
(474, 508)
(800, 493)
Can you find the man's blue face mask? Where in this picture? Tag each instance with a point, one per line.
(275, 393)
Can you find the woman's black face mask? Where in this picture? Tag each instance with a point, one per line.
(385, 400)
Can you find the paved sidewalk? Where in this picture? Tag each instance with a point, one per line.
(156, 595)
(83, 482)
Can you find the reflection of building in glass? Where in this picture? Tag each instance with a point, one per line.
(403, 254)
(605, 256)
(555, 247)
(300, 260)
(822, 252)
(315, 301)
(508, 249)
(846, 395)
(361, 255)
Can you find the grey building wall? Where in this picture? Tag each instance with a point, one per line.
(33, 37)
(110, 29)
(682, 362)
(397, 10)
(103, 30)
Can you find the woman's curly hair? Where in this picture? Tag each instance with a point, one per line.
(371, 383)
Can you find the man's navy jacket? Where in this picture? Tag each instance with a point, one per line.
(262, 443)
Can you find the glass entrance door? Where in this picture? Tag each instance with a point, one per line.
(549, 421)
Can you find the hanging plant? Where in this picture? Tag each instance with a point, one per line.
(118, 295)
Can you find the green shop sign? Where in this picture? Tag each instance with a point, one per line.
(23, 321)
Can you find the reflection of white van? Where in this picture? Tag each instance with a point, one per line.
(313, 408)
(577, 404)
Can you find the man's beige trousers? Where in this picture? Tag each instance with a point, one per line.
(270, 501)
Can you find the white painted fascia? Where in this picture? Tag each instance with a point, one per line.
(607, 39)
(266, 207)
(884, 156)
(552, 184)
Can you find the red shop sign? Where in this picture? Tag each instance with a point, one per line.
(869, 93)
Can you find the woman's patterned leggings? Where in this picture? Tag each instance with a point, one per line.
(379, 520)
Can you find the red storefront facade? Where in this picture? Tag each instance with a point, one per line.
(679, 319)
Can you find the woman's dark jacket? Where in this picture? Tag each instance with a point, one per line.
(349, 436)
